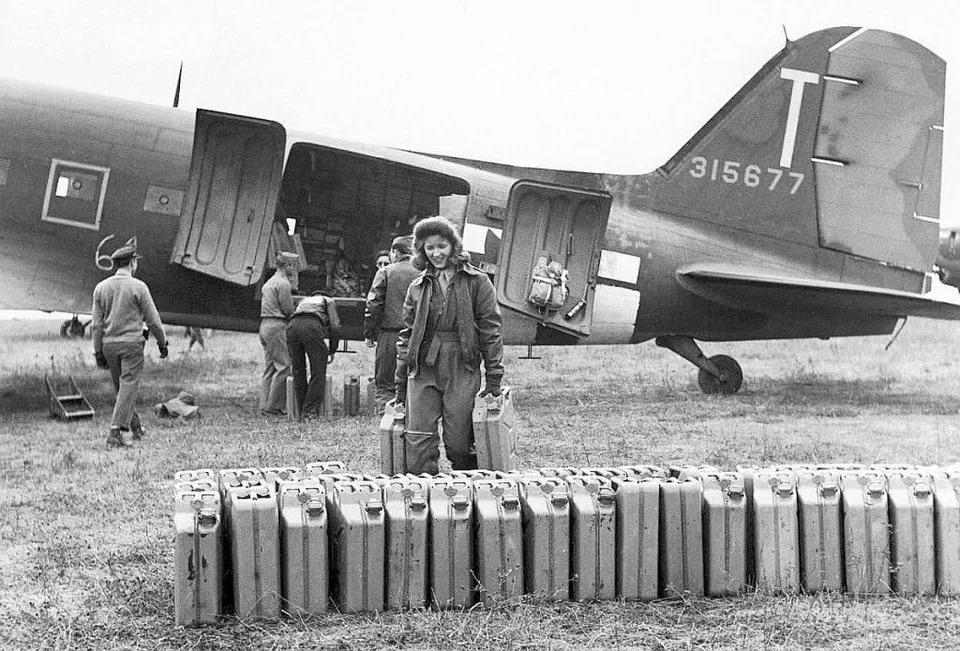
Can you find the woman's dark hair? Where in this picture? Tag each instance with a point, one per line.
(444, 228)
(381, 254)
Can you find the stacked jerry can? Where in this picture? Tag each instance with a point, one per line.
(545, 508)
(198, 555)
(451, 543)
(681, 538)
(303, 543)
(499, 539)
(266, 542)
(406, 501)
(358, 542)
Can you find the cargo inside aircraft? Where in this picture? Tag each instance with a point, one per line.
(338, 208)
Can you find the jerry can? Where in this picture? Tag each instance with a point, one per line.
(747, 473)
(776, 531)
(561, 472)
(237, 476)
(198, 486)
(451, 543)
(946, 511)
(195, 475)
(892, 467)
(912, 552)
(328, 397)
(318, 468)
(692, 472)
(304, 567)
(494, 431)
(517, 475)
(499, 539)
(371, 396)
(292, 405)
(275, 474)
(724, 534)
(643, 471)
(351, 396)
(407, 522)
(607, 472)
(593, 539)
(471, 475)
(866, 533)
(681, 538)
(358, 543)
(817, 467)
(821, 531)
(393, 456)
(545, 515)
(197, 558)
(638, 531)
(255, 552)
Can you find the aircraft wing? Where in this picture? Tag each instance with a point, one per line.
(765, 291)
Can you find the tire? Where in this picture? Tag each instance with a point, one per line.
(732, 377)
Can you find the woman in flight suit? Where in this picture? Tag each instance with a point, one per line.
(451, 321)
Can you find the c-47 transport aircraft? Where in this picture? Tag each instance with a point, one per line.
(806, 207)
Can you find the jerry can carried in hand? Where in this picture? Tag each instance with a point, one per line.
(681, 538)
(254, 526)
(821, 529)
(406, 501)
(724, 533)
(318, 468)
(273, 475)
(946, 508)
(393, 456)
(545, 513)
(866, 532)
(351, 396)
(495, 431)
(593, 539)
(451, 543)
(197, 558)
(304, 561)
(638, 531)
(912, 537)
(499, 539)
(358, 542)
(776, 531)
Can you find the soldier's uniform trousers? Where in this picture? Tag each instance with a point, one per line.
(385, 366)
(125, 360)
(441, 391)
(276, 364)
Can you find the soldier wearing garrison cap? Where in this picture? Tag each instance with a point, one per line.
(121, 306)
(383, 317)
(276, 307)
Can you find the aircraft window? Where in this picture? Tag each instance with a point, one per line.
(75, 194)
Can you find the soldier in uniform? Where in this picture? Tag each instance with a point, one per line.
(451, 321)
(121, 305)
(276, 306)
(314, 319)
(383, 317)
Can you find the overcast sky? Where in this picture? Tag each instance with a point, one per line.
(611, 86)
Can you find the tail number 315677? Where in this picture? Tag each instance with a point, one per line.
(734, 172)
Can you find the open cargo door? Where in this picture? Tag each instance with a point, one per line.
(232, 196)
(546, 223)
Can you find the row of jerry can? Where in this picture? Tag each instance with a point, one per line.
(494, 427)
(260, 541)
(352, 403)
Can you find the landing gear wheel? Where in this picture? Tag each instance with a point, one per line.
(731, 372)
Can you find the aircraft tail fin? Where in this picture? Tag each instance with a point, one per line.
(836, 142)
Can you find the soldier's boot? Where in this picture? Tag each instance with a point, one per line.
(115, 439)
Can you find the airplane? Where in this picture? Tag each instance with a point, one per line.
(807, 206)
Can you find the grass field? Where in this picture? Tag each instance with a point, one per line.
(86, 533)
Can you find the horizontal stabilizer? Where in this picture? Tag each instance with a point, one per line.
(767, 292)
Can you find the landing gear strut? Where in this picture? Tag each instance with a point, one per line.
(718, 374)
